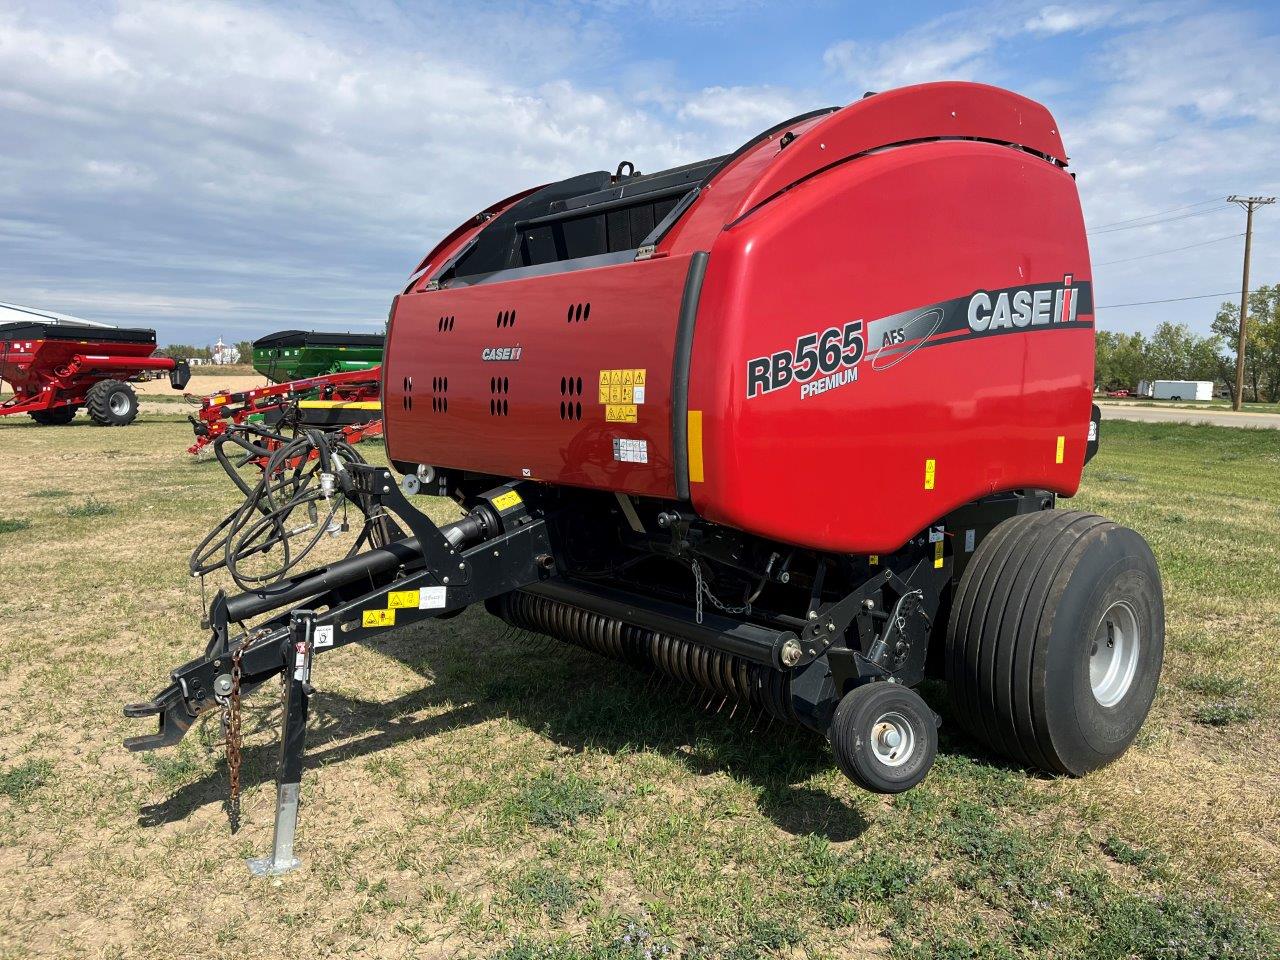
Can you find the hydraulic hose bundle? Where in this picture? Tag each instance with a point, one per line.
(297, 495)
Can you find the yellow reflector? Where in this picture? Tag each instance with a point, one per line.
(695, 446)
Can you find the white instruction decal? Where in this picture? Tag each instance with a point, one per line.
(968, 541)
(631, 451)
(323, 637)
(431, 598)
(637, 394)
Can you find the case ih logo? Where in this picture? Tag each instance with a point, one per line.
(500, 353)
(1023, 307)
(823, 361)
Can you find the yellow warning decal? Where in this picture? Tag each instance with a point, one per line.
(218, 401)
(937, 555)
(620, 412)
(874, 559)
(930, 471)
(379, 618)
(695, 446)
(1062, 447)
(506, 501)
(400, 599)
(634, 377)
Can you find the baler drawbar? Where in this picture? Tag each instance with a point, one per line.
(788, 425)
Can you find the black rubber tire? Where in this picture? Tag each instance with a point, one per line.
(98, 401)
(56, 417)
(1021, 633)
(851, 732)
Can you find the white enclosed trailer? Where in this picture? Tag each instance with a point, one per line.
(1182, 390)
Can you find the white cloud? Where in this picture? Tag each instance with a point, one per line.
(167, 135)
(740, 108)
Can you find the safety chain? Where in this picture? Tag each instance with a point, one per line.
(701, 587)
(231, 722)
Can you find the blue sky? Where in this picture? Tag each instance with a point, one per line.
(227, 169)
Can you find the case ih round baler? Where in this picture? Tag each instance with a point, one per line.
(57, 368)
(788, 425)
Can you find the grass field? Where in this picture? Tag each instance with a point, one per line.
(469, 794)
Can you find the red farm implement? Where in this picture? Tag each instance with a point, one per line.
(57, 368)
(789, 426)
(346, 401)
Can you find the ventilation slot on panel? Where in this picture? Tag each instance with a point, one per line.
(406, 401)
(498, 389)
(578, 313)
(570, 398)
(507, 318)
(439, 394)
(445, 324)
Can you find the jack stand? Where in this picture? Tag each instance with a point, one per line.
(297, 700)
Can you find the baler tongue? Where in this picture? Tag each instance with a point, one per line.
(403, 568)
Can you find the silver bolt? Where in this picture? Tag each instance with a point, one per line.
(831, 627)
(813, 614)
(790, 653)
(868, 604)
(891, 738)
(222, 684)
(784, 577)
(463, 566)
(386, 489)
(444, 579)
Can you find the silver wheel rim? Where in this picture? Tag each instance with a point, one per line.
(119, 403)
(1113, 653)
(892, 739)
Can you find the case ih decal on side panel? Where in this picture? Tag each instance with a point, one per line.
(823, 361)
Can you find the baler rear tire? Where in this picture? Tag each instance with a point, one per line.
(1023, 641)
(56, 416)
(111, 403)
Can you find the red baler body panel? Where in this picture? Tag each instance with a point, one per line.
(947, 278)
(445, 404)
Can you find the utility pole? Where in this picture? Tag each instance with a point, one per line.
(1249, 204)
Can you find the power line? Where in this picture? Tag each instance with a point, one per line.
(1146, 303)
(1152, 223)
(1202, 243)
(1189, 206)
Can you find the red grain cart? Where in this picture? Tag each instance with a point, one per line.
(57, 368)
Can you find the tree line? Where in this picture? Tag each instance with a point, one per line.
(1174, 352)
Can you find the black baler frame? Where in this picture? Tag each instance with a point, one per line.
(881, 629)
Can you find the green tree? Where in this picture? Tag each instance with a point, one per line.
(1262, 352)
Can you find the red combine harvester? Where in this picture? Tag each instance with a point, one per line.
(788, 425)
(57, 368)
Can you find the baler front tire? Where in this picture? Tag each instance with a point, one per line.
(56, 416)
(111, 403)
(1056, 640)
(884, 737)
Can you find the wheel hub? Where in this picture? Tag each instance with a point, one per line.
(1113, 653)
(119, 403)
(892, 739)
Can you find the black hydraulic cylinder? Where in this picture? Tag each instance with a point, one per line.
(371, 563)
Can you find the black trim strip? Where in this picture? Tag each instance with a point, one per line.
(680, 372)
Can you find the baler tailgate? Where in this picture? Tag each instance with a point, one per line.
(564, 378)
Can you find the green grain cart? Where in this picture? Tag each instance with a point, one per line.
(296, 354)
